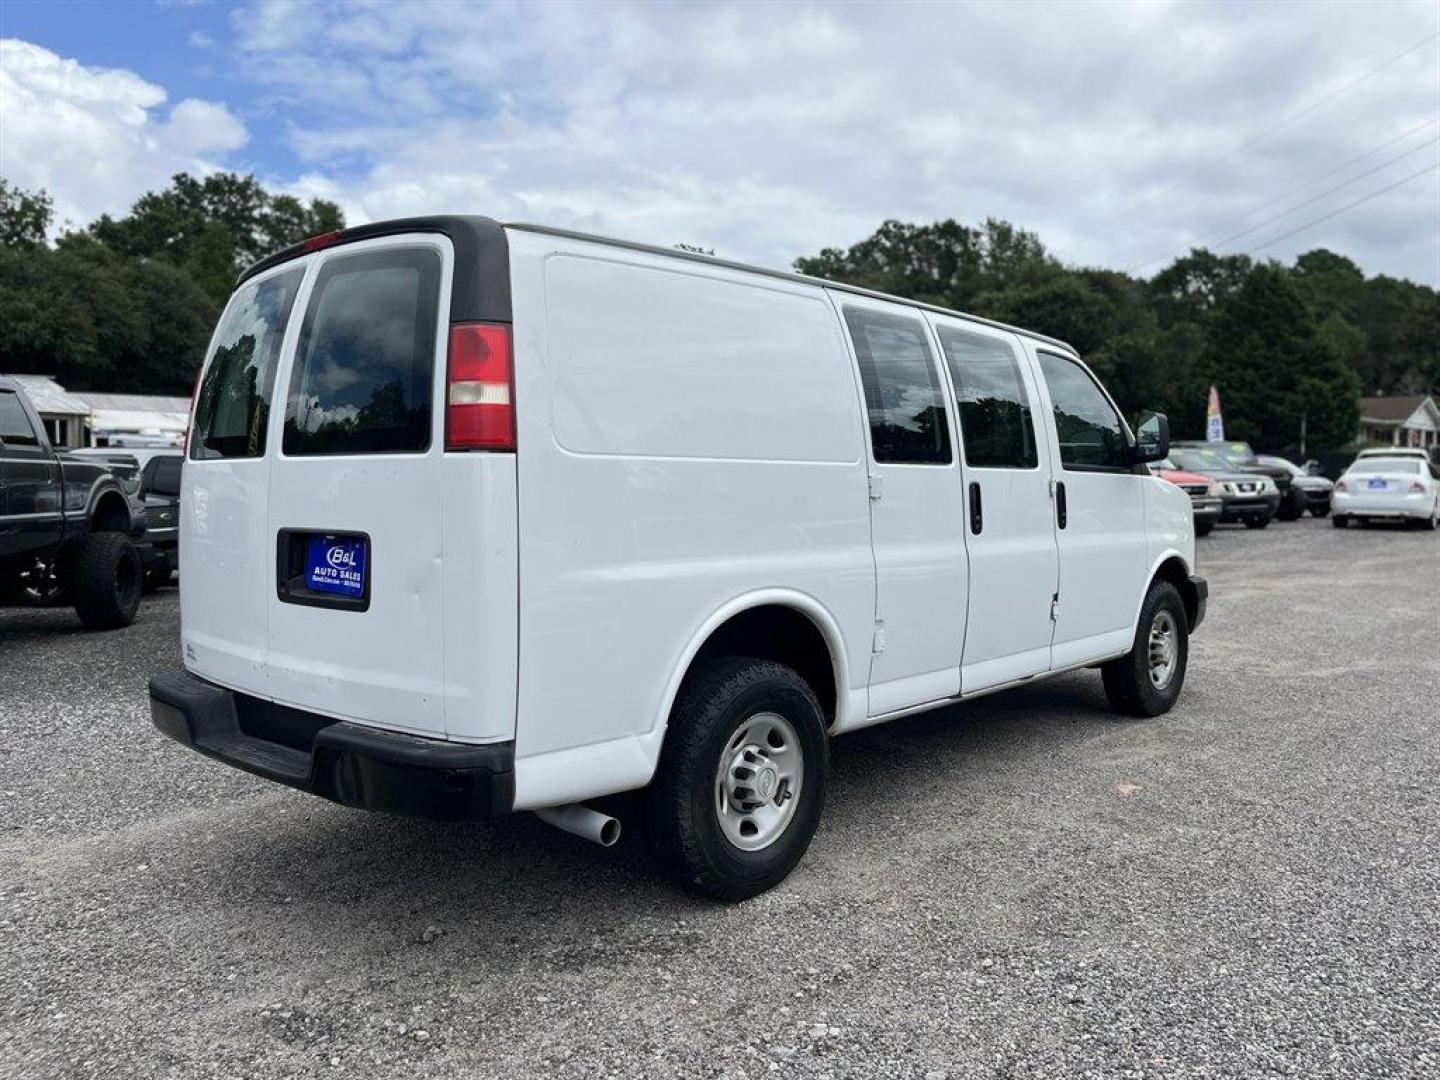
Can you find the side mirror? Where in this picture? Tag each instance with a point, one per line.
(1152, 437)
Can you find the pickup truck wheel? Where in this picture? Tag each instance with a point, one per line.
(1320, 510)
(106, 581)
(1147, 680)
(1256, 521)
(741, 782)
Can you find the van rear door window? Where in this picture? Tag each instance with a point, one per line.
(233, 405)
(902, 388)
(361, 382)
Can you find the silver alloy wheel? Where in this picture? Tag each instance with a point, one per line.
(757, 785)
(1164, 649)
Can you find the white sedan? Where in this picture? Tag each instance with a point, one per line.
(1387, 489)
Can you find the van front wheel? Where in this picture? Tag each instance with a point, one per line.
(741, 783)
(1146, 681)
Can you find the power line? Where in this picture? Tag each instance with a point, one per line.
(1327, 193)
(1253, 140)
(1205, 237)
(1348, 206)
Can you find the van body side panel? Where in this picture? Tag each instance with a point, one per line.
(687, 436)
(229, 562)
(480, 595)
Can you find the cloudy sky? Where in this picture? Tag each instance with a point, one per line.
(1122, 133)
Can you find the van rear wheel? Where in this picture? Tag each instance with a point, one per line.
(1146, 681)
(741, 783)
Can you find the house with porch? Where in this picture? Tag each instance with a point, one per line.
(1400, 420)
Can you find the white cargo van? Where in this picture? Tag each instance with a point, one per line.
(482, 518)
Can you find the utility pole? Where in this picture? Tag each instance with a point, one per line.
(1304, 416)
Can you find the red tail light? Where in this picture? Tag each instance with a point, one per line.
(480, 391)
(1340, 485)
(1417, 488)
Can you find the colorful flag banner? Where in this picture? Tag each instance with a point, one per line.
(1214, 422)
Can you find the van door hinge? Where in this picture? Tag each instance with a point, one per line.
(877, 643)
(1055, 608)
(875, 487)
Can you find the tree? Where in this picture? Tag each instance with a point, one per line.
(214, 227)
(128, 304)
(1191, 287)
(942, 263)
(24, 216)
(1264, 351)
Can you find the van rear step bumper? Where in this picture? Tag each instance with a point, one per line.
(337, 760)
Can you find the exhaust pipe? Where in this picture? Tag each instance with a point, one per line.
(590, 824)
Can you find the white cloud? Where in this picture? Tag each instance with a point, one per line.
(768, 131)
(95, 138)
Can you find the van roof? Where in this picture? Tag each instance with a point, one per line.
(481, 254)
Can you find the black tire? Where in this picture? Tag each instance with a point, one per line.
(1128, 684)
(1203, 528)
(1256, 521)
(106, 582)
(1320, 510)
(713, 706)
(1340, 521)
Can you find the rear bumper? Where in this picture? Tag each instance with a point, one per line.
(335, 759)
(1391, 506)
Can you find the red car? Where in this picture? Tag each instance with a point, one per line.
(1204, 500)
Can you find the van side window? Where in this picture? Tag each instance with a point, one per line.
(902, 388)
(1091, 433)
(233, 405)
(361, 382)
(996, 428)
(15, 426)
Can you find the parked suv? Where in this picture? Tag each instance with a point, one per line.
(1242, 459)
(68, 526)
(482, 518)
(1316, 489)
(1245, 496)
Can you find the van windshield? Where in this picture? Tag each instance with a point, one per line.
(233, 404)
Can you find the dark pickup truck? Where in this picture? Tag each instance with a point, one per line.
(68, 527)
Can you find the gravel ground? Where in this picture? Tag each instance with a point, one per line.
(1026, 886)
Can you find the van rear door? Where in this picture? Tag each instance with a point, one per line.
(355, 507)
(228, 559)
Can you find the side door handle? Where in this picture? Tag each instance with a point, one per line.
(1060, 503)
(977, 514)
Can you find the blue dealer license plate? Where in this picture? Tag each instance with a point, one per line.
(336, 565)
(1377, 485)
